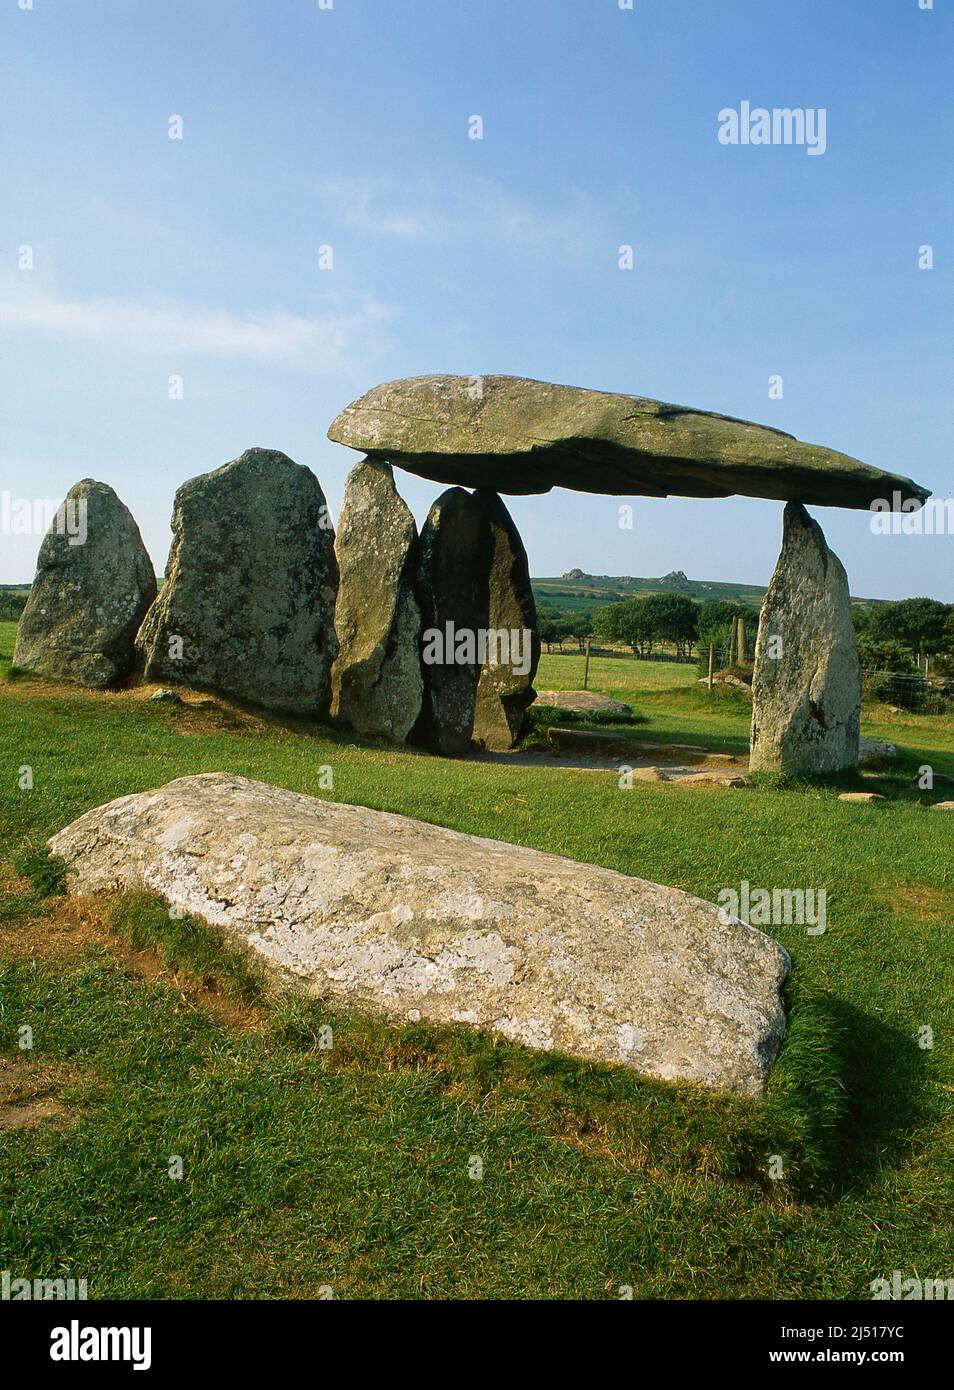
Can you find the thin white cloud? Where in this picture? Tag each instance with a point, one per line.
(478, 208)
(277, 337)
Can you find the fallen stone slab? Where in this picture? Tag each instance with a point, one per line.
(869, 797)
(688, 777)
(652, 774)
(390, 914)
(581, 701)
(943, 806)
(736, 682)
(713, 779)
(607, 742)
(517, 435)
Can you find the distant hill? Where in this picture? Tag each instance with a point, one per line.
(576, 589)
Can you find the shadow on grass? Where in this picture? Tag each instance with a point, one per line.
(845, 1098)
(887, 1098)
(848, 1091)
(894, 783)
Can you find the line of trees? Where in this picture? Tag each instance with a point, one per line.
(897, 636)
(891, 636)
(644, 622)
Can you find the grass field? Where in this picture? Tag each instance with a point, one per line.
(305, 1169)
(590, 592)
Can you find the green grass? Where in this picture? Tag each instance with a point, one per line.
(348, 1167)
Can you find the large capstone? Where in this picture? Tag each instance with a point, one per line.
(512, 645)
(806, 687)
(247, 607)
(413, 921)
(94, 583)
(376, 679)
(515, 435)
(454, 558)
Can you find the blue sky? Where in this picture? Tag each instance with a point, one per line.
(306, 127)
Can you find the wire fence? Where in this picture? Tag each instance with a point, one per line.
(909, 691)
(572, 648)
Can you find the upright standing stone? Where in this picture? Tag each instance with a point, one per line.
(453, 563)
(376, 679)
(505, 688)
(247, 607)
(806, 687)
(94, 583)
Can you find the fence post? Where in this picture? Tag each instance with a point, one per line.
(711, 664)
(741, 639)
(586, 668)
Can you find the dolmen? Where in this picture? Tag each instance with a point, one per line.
(514, 435)
(431, 638)
(381, 912)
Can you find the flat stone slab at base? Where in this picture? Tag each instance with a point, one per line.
(581, 701)
(690, 777)
(383, 912)
(875, 750)
(869, 797)
(713, 778)
(943, 806)
(726, 678)
(605, 742)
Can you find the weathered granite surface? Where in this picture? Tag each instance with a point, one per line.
(387, 913)
(247, 606)
(513, 434)
(376, 679)
(806, 684)
(94, 583)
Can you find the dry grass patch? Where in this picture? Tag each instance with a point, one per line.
(934, 905)
(70, 926)
(31, 1092)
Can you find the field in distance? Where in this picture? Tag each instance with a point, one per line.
(577, 590)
